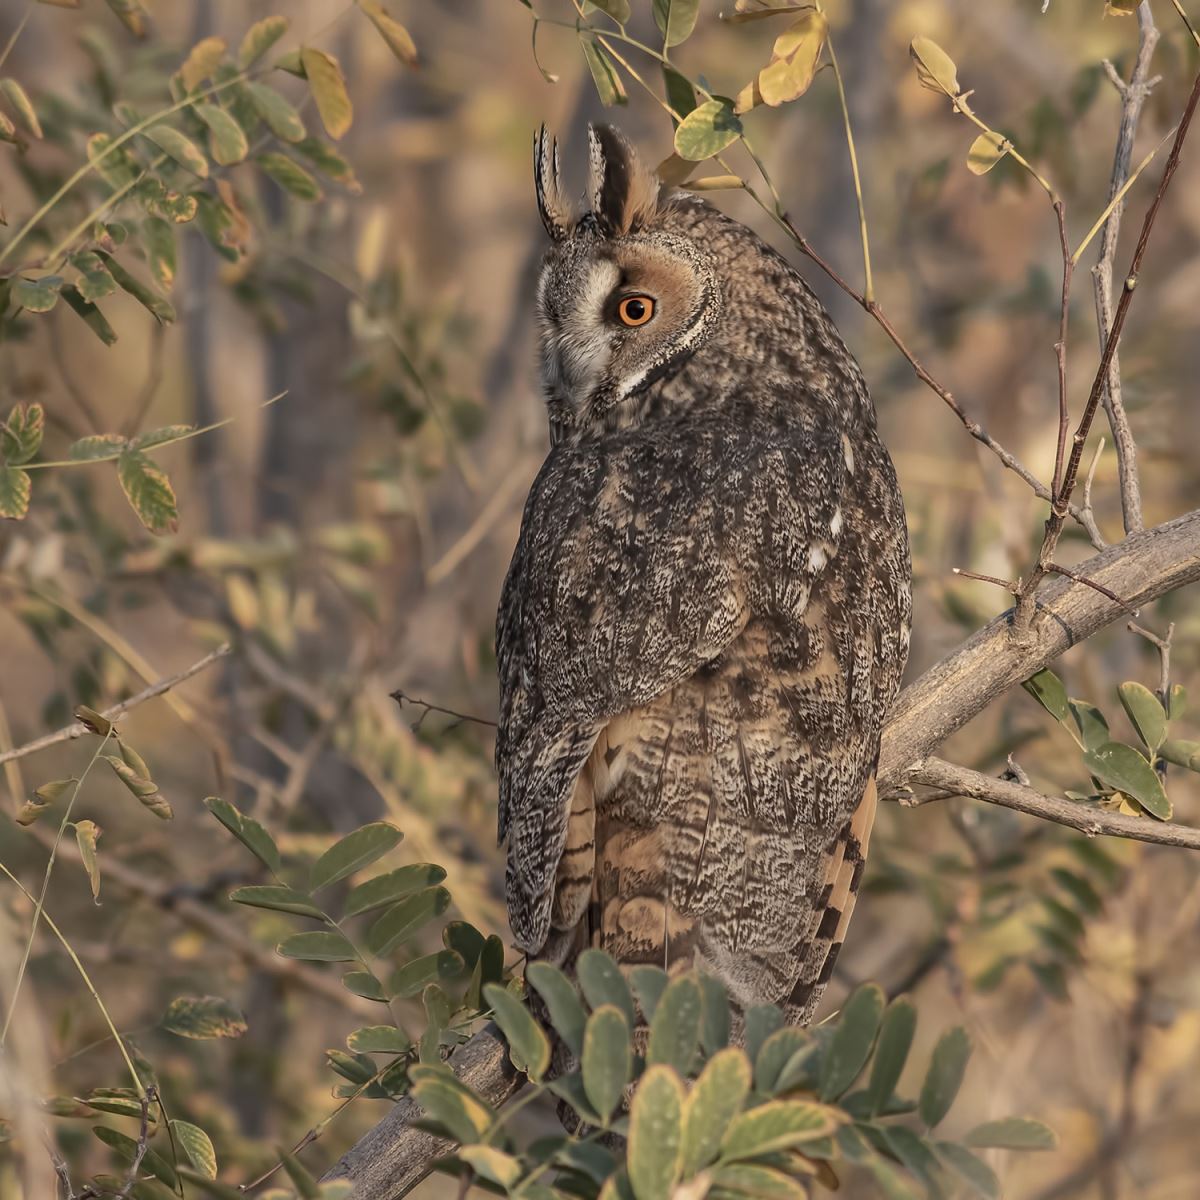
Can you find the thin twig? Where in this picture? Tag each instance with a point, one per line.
(1009, 585)
(77, 729)
(1059, 506)
(148, 1097)
(1058, 569)
(1133, 97)
(402, 699)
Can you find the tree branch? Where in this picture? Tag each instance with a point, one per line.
(78, 729)
(962, 781)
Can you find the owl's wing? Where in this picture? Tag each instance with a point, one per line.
(641, 559)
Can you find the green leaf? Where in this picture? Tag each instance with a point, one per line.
(714, 1028)
(1182, 752)
(98, 448)
(180, 147)
(412, 978)
(400, 922)
(707, 130)
(123, 1102)
(1046, 688)
(785, 1046)
(528, 1046)
(227, 143)
(152, 1162)
(281, 117)
(609, 86)
(329, 162)
(1013, 1133)
(461, 1113)
(354, 852)
(379, 1039)
(681, 96)
(161, 436)
(986, 151)
(891, 1052)
(116, 166)
(935, 68)
(203, 1017)
(1123, 768)
(279, 899)
(675, 1030)
(776, 1125)
(364, 984)
(601, 982)
(91, 316)
(973, 1171)
(852, 1041)
(248, 831)
(159, 244)
(357, 1068)
(328, 87)
(492, 1164)
(392, 886)
(393, 33)
(653, 1156)
(562, 1003)
(146, 297)
(914, 1152)
(1091, 724)
(197, 1146)
(648, 985)
(761, 1021)
(319, 946)
(753, 1180)
(36, 295)
(21, 434)
(607, 1059)
(20, 103)
(95, 285)
(945, 1075)
(718, 1094)
(675, 20)
(260, 37)
(1176, 701)
(1145, 713)
(290, 176)
(617, 9)
(86, 835)
(148, 491)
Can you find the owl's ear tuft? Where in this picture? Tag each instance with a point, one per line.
(555, 213)
(622, 193)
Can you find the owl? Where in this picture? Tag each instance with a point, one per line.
(707, 612)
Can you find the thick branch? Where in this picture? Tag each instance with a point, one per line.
(962, 781)
(394, 1157)
(1143, 567)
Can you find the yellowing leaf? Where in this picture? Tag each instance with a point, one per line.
(227, 141)
(149, 492)
(935, 68)
(393, 33)
(793, 63)
(86, 835)
(707, 130)
(20, 103)
(328, 87)
(260, 37)
(202, 61)
(986, 151)
(180, 147)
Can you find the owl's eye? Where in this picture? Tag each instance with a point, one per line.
(635, 310)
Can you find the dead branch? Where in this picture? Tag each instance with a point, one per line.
(78, 729)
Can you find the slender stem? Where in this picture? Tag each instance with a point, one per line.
(41, 900)
(87, 980)
(868, 282)
(1060, 347)
(16, 33)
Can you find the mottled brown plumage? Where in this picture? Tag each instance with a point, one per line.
(707, 612)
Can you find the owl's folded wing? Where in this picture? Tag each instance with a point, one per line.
(640, 559)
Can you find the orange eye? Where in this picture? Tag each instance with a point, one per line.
(635, 310)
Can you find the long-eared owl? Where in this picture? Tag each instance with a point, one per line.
(707, 612)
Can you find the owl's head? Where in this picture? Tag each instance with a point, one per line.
(623, 299)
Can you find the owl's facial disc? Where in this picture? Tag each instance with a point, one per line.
(616, 316)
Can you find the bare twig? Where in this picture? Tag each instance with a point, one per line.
(1011, 586)
(953, 780)
(1059, 569)
(147, 1099)
(402, 699)
(1062, 497)
(1133, 97)
(1060, 347)
(77, 729)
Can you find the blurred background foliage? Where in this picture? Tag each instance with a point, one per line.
(349, 302)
